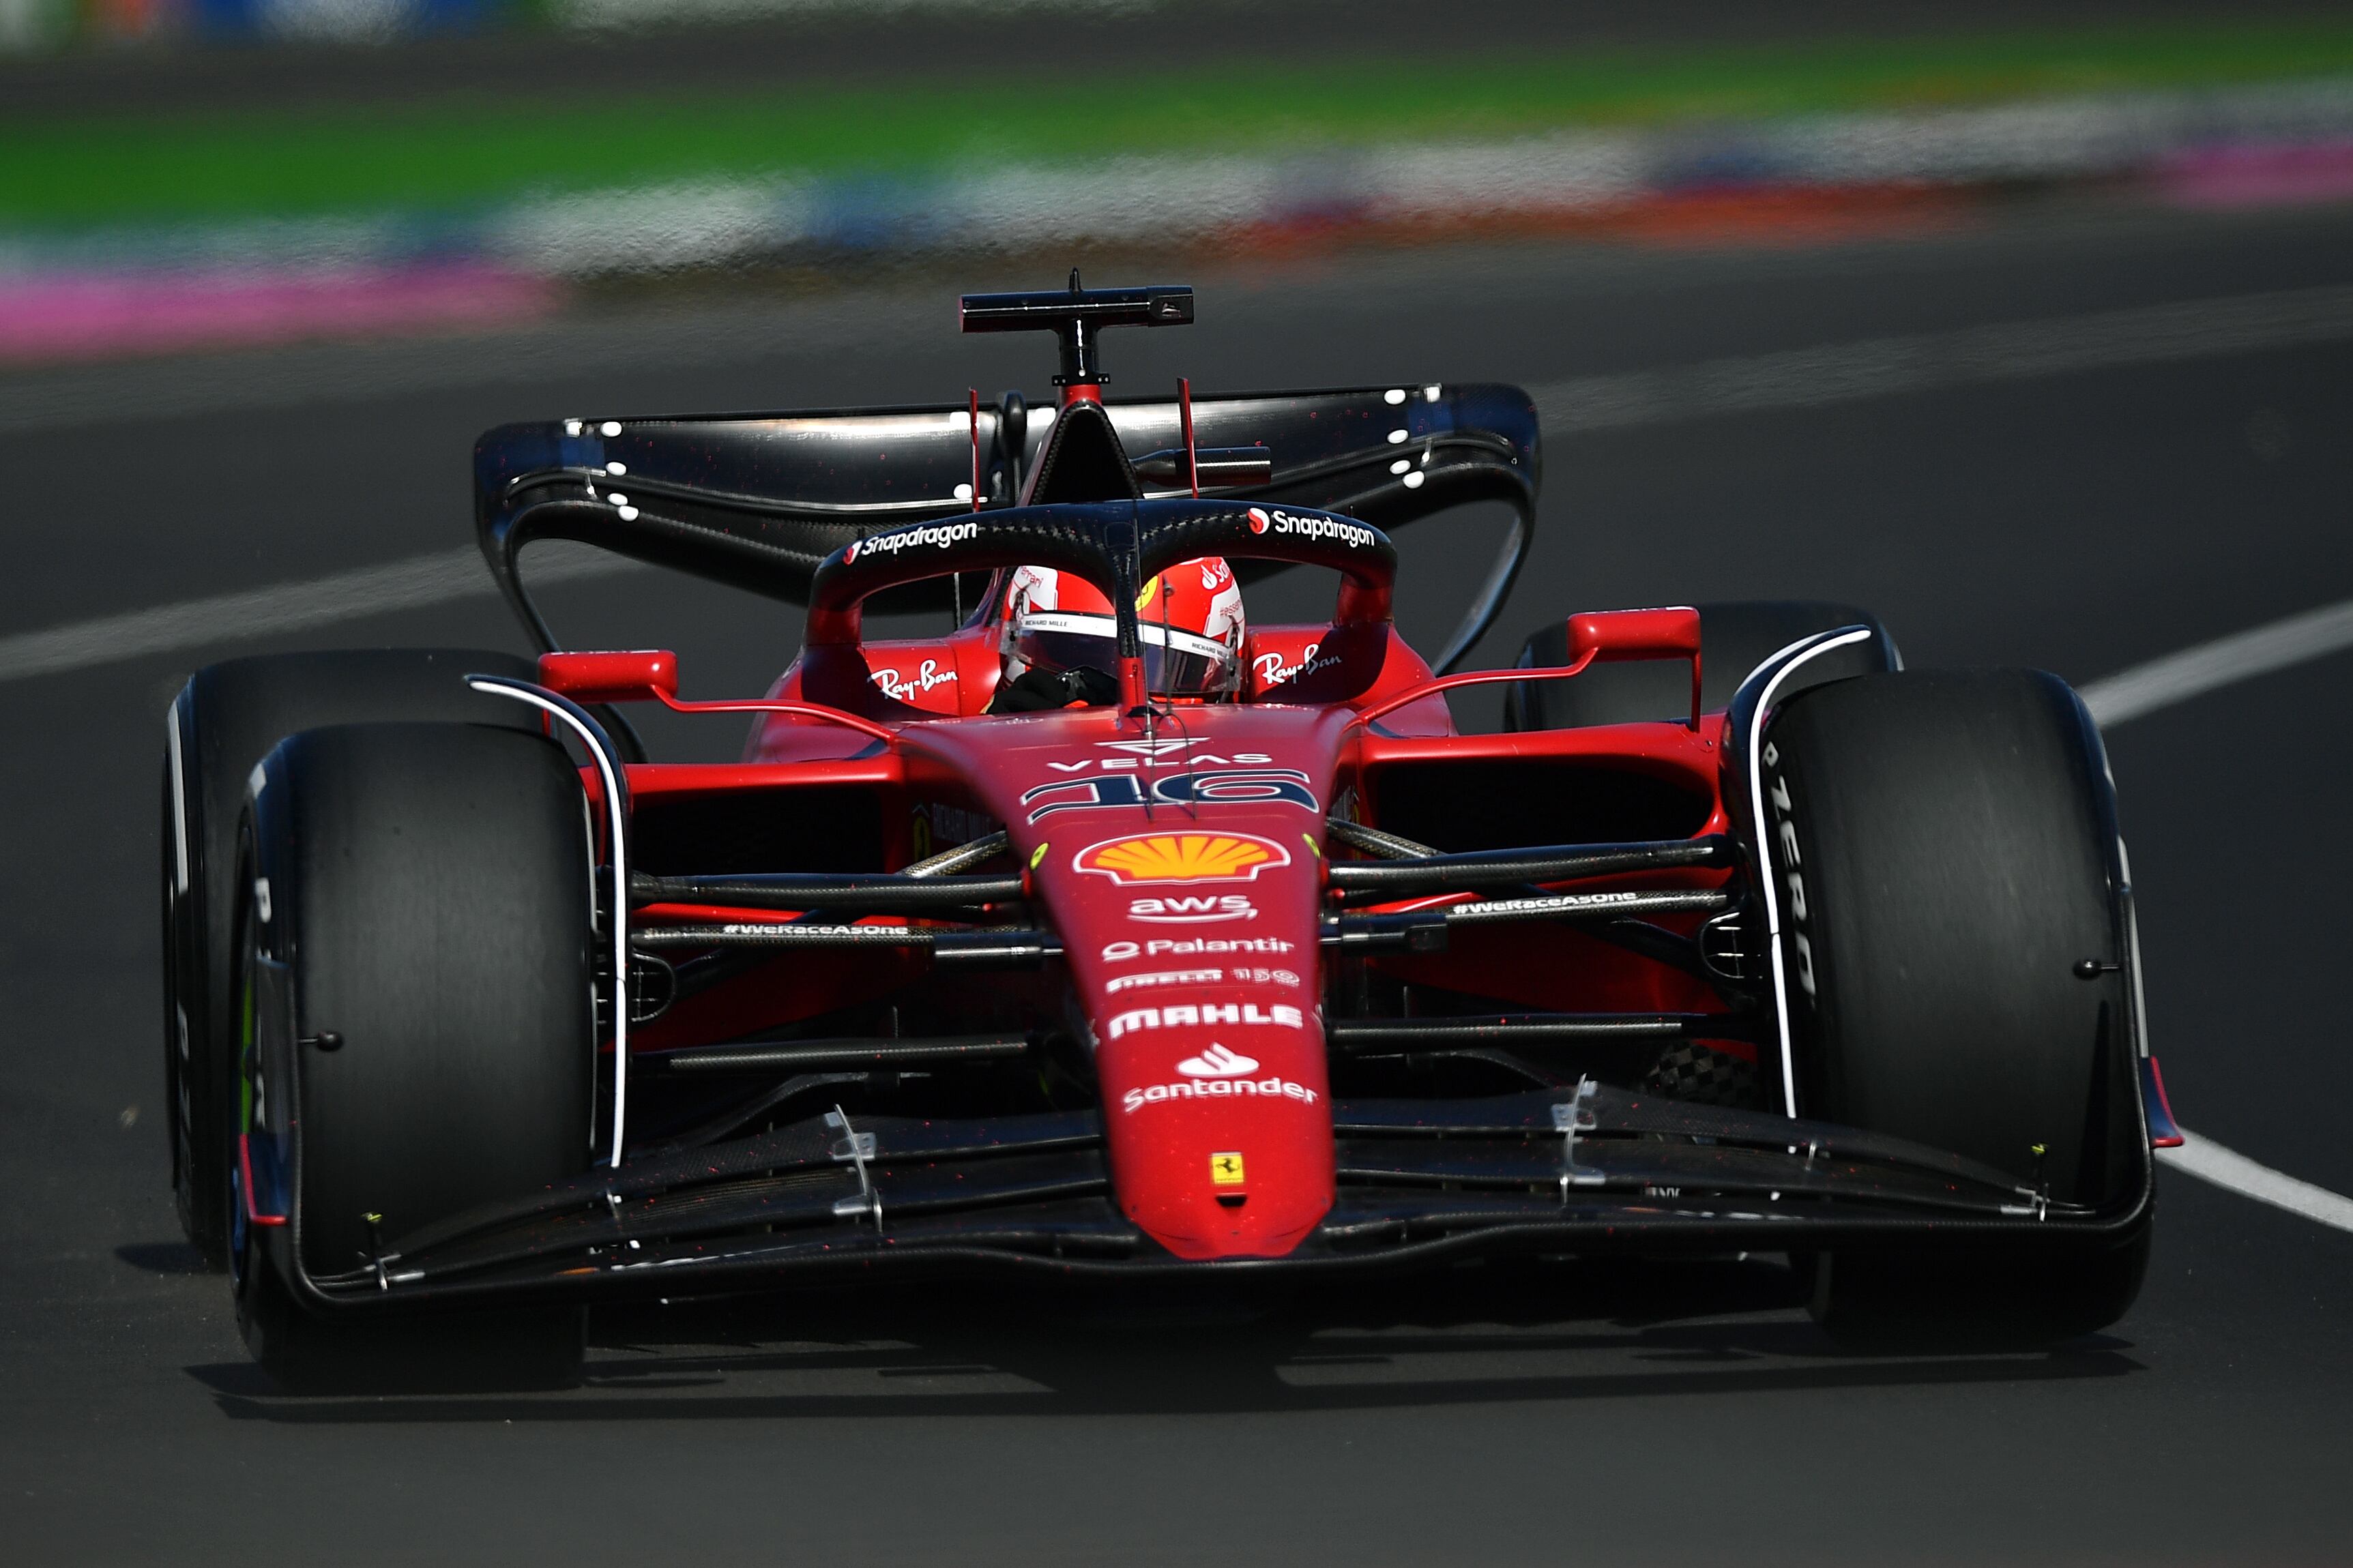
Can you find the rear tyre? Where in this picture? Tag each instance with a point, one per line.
(1735, 636)
(224, 721)
(1940, 846)
(429, 905)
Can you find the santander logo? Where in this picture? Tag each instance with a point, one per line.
(1218, 1061)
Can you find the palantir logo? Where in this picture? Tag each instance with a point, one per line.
(1218, 1061)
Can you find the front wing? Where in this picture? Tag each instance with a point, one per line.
(1580, 1169)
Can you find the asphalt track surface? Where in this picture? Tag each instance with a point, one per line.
(2085, 522)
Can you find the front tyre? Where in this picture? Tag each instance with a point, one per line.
(417, 976)
(1939, 843)
(224, 720)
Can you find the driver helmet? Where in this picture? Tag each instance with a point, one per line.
(1192, 626)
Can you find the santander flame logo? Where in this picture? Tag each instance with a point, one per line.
(1218, 1061)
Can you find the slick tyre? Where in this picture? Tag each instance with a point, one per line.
(1735, 636)
(1940, 846)
(224, 721)
(418, 923)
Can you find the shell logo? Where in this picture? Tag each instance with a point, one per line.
(1259, 522)
(1182, 858)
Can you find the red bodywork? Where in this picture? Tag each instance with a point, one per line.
(1182, 859)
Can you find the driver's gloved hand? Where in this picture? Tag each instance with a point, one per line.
(1036, 691)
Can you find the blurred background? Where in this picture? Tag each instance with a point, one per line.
(189, 174)
(2026, 326)
(295, 241)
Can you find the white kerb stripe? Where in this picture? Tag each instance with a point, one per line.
(2210, 1162)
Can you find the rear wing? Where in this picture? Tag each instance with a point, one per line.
(757, 501)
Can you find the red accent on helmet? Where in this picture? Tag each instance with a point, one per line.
(1190, 616)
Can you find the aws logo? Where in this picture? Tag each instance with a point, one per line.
(1202, 909)
(1182, 858)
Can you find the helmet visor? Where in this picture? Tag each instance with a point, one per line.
(1175, 663)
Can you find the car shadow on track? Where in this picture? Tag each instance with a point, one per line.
(169, 1257)
(1478, 1335)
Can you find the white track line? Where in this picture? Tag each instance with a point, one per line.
(1928, 361)
(1799, 378)
(2177, 677)
(2193, 672)
(417, 583)
(2210, 1162)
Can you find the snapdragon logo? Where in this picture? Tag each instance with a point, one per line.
(940, 535)
(1274, 519)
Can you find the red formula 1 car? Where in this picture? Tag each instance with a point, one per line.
(1078, 942)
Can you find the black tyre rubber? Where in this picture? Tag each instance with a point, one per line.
(224, 721)
(429, 899)
(1940, 843)
(1735, 636)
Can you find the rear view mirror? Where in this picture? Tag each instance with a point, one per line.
(1617, 636)
(1602, 637)
(1612, 636)
(647, 675)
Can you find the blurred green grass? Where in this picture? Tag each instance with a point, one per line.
(463, 153)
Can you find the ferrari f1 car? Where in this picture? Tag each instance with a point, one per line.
(1739, 937)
